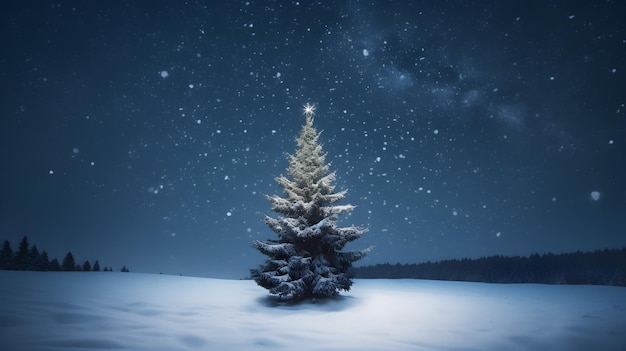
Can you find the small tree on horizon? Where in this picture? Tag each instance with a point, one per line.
(69, 264)
(54, 265)
(44, 261)
(22, 257)
(307, 261)
(6, 256)
(35, 261)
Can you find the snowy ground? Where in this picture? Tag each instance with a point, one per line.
(128, 311)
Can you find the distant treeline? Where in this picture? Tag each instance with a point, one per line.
(603, 267)
(29, 258)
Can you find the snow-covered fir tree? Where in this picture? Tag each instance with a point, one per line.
(307, 261)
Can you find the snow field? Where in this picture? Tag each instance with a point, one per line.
(129, 311)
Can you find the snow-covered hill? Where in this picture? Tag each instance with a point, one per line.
(128, 311)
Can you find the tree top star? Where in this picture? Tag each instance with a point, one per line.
(309, 109)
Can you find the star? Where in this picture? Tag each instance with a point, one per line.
(309, 109)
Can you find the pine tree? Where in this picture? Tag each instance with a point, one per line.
(34, 259)
(6, 256)
(44, 261)
(96, 266)
(306, 260)
(69, 264)
(22, 256)
(86, 266)
(54, 265)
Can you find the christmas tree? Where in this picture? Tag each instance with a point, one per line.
(306, 261)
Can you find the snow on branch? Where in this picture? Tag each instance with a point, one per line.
(277, 250)
(330, 198)
(335, 210)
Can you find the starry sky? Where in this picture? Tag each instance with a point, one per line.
(147, 133)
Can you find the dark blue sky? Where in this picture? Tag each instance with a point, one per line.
(147, 133)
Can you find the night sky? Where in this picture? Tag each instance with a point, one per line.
(147, 133)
